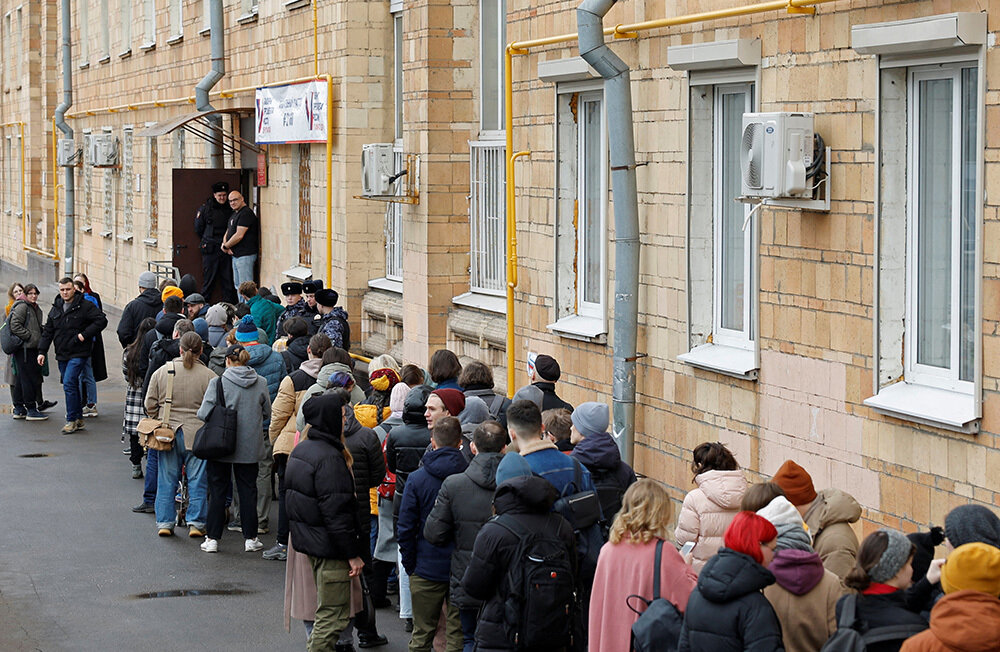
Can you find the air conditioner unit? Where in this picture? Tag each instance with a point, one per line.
(775, 152)
(377, 168)
(66, 152)
(104, 152)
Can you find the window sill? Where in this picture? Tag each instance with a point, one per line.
(86, 229)
(576, 327)
(105, 59)
(298, 272)
(246, 19)
(105, 234)
(728, 360)
(174, 40)
(84, 65)
(479, 301)
(126, 54)
(147, 47)
(149, 242)
(296, 4)
(930, 406)
(125, 237)
(387, 284)
(207, 31)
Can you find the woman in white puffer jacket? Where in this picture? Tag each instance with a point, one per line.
(710, 508)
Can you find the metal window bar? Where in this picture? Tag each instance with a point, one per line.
(394, 227)
(154, 189)
(305, 206)
(127, 180)
(487, 217)
(88, 183)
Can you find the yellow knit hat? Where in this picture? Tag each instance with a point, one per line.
(973, 566)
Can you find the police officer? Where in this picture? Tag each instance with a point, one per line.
(309, 290)
(295, 305)
(210, 224)
(332, 319)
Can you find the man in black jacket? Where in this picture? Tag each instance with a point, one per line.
(72, 325)
(464, 503)
(527, 500)
(147, 304)
(406, 444)
(544, 375)
(210, 224)
(323, 516)
(164, 329)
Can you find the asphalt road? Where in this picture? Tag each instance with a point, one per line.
(77, 567)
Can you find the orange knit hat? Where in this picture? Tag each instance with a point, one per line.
(796, 483)
(171, 291)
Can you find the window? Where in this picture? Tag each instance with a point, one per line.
(19, 46)
(249, 7)
(18, 179)
(9, 168)
(128, 182)
(941, 223)
(206, 16)
(397, 71)
(84, 41)
(153, 208)
(88, 181)
(394, 227)
(149, 24)
(126, 24)
(105, 54)
(9, 52)
(176, 21)
(487, 217)
(492, 40)
(581, 212)
(304, 200)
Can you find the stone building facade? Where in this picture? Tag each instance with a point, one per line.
(860, 340)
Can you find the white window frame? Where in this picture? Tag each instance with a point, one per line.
(397, 72)
(84, 21)
(942, 378)
(742, 339)
(105, 27)
(176, 21)
(488, 269)
(495, 40)
(584, 308)
(19, 46)
(125, 7)
(149, 24)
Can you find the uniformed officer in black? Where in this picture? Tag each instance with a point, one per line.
(210, 224)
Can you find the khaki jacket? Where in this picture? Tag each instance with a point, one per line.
(807, 621)
(189, 392)
(829, 519)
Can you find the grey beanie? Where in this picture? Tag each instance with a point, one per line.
(591, 418)
(893, 559)
(147, 280)
(792, 536)
(529, 393)
(972, 524)
(512, 465)
(475, 412)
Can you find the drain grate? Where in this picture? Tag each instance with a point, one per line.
(184, 593)
(36, 455)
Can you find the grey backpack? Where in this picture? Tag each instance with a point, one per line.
(848, 639)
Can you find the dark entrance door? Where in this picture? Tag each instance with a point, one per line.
(192, 187)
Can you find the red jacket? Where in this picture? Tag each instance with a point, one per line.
(963, 621)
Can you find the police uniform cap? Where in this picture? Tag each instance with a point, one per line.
(311, 287)
(291, 288)
(327, 297)
(220, 186)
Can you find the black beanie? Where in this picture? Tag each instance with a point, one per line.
(324, 413)
(924, 544)
(972, 524)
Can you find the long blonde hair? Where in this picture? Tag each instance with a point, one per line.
(645, 514)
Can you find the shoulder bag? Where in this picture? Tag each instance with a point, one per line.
(158, 434)
(217, 438)
(9, 342)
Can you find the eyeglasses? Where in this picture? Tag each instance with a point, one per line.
(34, 294)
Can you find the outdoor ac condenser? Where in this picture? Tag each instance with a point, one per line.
(775, 152)
(66, 152)
(104, 152)
(376, 169)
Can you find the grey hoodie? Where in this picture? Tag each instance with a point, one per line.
(475, 412)
(245, 392)
(322, 384)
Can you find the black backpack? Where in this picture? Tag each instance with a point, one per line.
(609, 492)
(658, 628)
(541, 598)
(583, 511)
(848, 639)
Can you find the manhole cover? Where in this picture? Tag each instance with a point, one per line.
(184, 593)
(36, 455)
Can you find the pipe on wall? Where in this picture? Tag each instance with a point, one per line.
(60, 122)
(216, 73)
(618, 99)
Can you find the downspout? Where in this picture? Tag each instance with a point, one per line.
(216, 20)
(618, 96)
(60, 122)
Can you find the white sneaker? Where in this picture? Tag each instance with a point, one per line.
(253, 545)
(210, 545)
(89, 411)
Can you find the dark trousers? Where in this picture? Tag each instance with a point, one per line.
(152, 476)
(27, 385)
(379, 584)
(135, 450)
(246, 486)
(217, 268)
(366, 556)
(280, 461)
(469, 618)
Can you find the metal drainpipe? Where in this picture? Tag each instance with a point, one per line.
(618, 96)
(217, 26)
(60, 121)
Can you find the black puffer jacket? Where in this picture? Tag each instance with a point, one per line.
(464, 503)
(63, 327)
(369, 465)
(295, 354)
(164, 330)
(147, 304)
(26, 322)
(407, 443)
(528, 499)
(321, 501)
(728, 611)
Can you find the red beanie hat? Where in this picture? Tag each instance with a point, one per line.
(454, 400)
(747, 531)
(796, 483)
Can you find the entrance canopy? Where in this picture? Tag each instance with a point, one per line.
(200, 125)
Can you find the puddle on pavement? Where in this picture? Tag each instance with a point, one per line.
(36, 455)
(185, 593)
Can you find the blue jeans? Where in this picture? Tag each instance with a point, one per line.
(88, 386)
(469, 618)
(169, 473)
(152, 473)
(70, 371)
(243, 270)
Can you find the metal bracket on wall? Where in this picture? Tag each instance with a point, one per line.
(411, 191)
(821, 195)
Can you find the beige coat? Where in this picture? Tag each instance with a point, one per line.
(286, 405)
(189, 391)
(707, 512)
(808, 620)
(829, 518)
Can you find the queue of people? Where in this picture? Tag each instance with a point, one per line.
(499, 524)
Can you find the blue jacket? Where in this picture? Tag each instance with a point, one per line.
(265, 315)
(433, 563)
(268, 364)
(555, 466)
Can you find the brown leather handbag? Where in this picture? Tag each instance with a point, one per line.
(158, 434)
